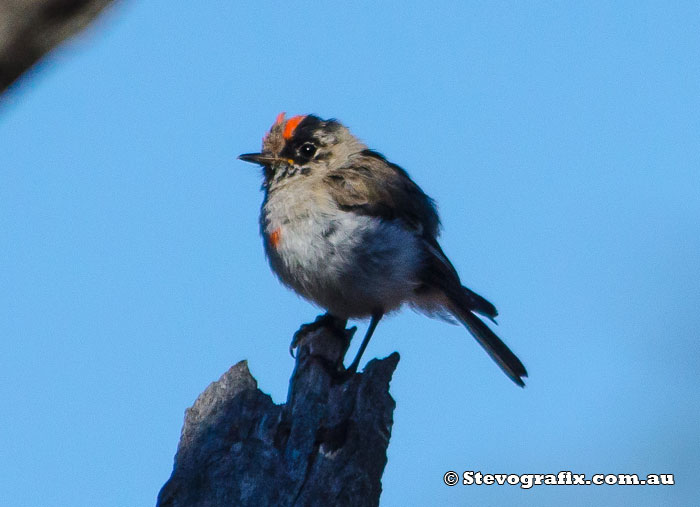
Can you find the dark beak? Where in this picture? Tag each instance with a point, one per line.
(258, 158)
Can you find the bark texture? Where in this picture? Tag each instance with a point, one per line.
(325, 446)
(31, 28)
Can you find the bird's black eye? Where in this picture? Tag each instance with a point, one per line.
(307, 150)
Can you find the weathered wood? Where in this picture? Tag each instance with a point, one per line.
(325, 446)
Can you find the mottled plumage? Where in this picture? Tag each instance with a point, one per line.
(351, 232)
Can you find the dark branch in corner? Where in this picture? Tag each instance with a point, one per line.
(325, 446)
(31, 28)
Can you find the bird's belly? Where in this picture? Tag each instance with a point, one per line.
(348, 264)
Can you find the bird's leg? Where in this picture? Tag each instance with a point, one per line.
(326, 320)
(376, 317)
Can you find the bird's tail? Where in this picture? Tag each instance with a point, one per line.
(462, 309)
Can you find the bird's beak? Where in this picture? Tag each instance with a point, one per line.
(265, 160)
(258, 158)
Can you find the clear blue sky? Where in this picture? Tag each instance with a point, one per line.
(561, 141)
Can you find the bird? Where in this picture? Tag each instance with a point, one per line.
(351, 232)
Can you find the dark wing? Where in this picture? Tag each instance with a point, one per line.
(373, 186)
(439, 272)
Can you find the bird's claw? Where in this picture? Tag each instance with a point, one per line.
(325, 320)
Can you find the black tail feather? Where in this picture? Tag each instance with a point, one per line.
(499, 351)
(439, 273)
(479, 304)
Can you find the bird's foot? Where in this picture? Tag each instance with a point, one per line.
(335, 324)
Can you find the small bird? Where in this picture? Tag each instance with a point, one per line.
(351, 232)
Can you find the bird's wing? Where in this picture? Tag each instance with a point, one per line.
(439, 272)
(371, 185)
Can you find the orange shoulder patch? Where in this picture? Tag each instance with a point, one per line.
(291, 125)
(275, 237)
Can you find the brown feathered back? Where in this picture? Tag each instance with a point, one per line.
(373, 186)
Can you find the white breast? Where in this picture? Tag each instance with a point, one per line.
(349, 264)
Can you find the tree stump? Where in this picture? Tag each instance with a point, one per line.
(325, 446)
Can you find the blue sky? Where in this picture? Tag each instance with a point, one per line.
(560, 140)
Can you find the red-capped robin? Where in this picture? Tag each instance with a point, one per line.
(351, 232)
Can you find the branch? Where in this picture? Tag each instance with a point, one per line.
(31, 28)
(325, 446)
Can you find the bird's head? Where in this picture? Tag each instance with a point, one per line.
(304, 145)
